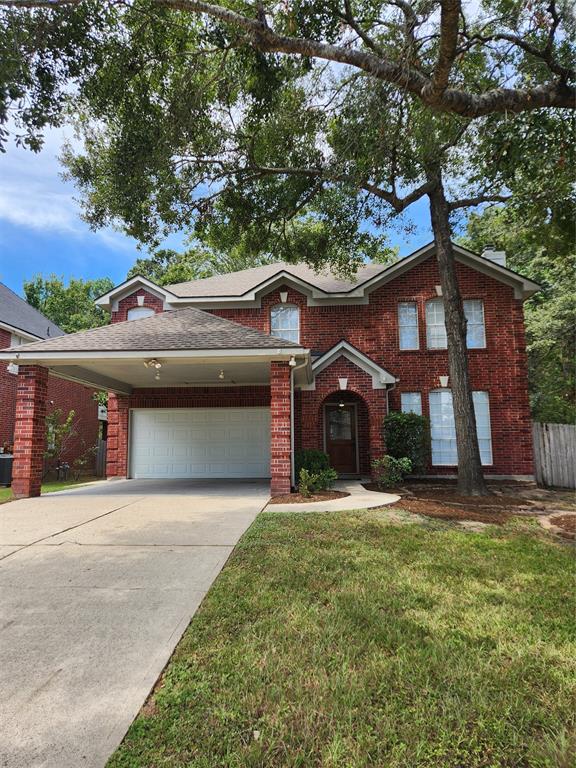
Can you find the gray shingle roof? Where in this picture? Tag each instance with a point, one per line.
(188, 328)
(238, 283)
(16, 312)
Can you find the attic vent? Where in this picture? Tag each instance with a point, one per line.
(47, 332)
(498, 257)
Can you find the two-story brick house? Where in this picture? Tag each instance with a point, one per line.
(227, 376)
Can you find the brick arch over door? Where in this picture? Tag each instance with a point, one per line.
(309, 421)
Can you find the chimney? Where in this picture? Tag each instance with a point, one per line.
(498, 257)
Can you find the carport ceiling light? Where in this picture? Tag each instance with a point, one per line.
(152, 363)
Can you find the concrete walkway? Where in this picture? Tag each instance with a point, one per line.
(97, 585)
(359, 498)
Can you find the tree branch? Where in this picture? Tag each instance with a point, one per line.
(449, 27)
(401, 75)
(468, 202)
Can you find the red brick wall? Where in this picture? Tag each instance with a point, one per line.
(62, 394)
(280, 444)
(500, 369)
(131, 301)
(31, 401)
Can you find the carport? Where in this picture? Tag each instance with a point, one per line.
(191, 395)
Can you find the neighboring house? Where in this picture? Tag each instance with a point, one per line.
(21, 324)
(225, 377)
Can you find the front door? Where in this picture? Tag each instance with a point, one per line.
(340, 431)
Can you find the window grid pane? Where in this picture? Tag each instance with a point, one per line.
(443, 432)
(475, 329)
(411, 402)
(435, 327)
(408, 325)
(285, 322)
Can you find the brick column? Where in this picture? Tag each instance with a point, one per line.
(29, 431)
(280, 428)
(117, 440)
(376, 413)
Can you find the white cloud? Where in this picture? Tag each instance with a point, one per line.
(34, 196)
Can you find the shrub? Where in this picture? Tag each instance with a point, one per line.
(306, 481)
(311, 482)
(408, 435)
(311, 459)
(389, 471)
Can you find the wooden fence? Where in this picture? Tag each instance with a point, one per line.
(555, 454)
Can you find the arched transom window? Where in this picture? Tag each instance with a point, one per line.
(137, 312)
(285, 322)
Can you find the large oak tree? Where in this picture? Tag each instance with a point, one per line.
(255, 120)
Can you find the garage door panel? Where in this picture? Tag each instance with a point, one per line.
(201, 442)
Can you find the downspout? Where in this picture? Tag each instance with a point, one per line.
(293, 370)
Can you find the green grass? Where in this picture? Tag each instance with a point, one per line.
(344, 640)
(50, 487)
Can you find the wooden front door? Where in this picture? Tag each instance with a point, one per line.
(340, 433)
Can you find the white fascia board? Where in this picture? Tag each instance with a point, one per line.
(380, 377)
(19, 332)
(279, 353)
(129, 286)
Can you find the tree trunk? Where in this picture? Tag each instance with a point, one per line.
(470, 477)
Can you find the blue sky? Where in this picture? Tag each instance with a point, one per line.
(41, 230)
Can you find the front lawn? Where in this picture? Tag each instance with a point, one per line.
(350, 639)
(51, 486)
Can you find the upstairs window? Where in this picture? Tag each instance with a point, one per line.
(136, 313)
(408, 325)
(475, 331)
(285, 322)
(436, 328)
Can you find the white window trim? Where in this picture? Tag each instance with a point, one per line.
(451, 464)
(481, 302)
(400, 326)
(277, 332)
(440, 303)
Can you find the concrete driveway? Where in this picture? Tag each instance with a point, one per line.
(97, 585)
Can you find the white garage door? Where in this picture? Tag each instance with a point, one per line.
(200, 442)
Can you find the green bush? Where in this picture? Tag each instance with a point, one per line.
(306, 481)
(311, 482)
(389, 471)
(311, 459)
(408, 435)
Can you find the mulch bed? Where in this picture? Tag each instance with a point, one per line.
(445, 511)
(566, 522)
(297, 498)
(445, 503)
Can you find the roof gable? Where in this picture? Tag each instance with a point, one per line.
(380, 376)
(325, 287)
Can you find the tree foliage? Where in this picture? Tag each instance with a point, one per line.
(70, 306)
(543, 249)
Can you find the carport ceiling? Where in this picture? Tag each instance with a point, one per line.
(131, 374)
